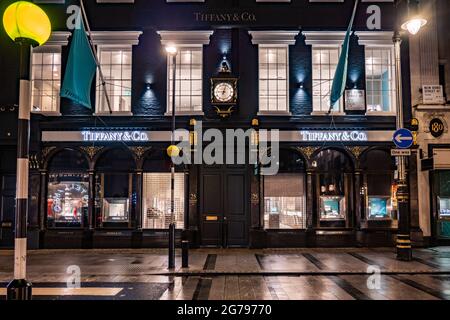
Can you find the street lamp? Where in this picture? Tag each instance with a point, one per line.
(28, 26)
(172, 151)
(404, 248)
(414, 21)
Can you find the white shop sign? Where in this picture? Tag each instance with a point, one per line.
(433, 94)
(355, 100)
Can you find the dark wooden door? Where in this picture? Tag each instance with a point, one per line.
(7, 210)
(224, 207)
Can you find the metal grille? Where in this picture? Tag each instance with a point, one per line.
(156, 200)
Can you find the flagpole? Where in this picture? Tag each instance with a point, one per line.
(100, 72)
(348, 31)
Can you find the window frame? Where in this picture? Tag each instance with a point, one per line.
(340, 110)
(169, 84)
(268, 111)
(393, 103)
(99, 87)
(58, 39)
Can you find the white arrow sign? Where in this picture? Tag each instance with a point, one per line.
(399, 138)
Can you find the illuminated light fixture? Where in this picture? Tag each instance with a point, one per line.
(414, 25)
(415, 21)
(171, 49)
(301, 85)
(173, 151)
(148, 86)
(25, 21)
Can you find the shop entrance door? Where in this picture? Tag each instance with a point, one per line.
(7, 209)
(224, 207)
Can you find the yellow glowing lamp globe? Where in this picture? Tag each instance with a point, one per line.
(173, 151)
(25, 20)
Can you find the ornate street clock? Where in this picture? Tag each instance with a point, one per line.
(224, 93)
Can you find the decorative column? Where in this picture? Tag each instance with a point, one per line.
(139, 184)
(91, 200)
(43, 200)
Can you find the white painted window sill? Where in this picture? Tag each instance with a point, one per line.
(185, 113)
(48, 114)
(380, 113)
(324, 113)
(113, 114)
(274, 113)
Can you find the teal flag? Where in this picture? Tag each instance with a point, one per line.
(340, 77)
(80, 68)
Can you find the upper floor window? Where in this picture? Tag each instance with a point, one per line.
(46, 79)
(380, 79)
(326, 48)
(324, 64)
(115, 56)
(189, 69)
(273, 47)
(380, 71)
(46, 74)
(116, 64)
(188, 80)
(273, 78)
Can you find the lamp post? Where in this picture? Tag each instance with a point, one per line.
(28, 26)
(172, 151)
(404, 249)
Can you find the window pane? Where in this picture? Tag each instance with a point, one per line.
(67, 200)
(188, 80)
(117, 71)
(273, 79)
(46, 74)
(324, 67)
(380, 80)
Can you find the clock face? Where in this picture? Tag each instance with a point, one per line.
(223, 92)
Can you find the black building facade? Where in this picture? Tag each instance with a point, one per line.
(103, 180)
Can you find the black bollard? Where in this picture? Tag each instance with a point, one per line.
(185, 253)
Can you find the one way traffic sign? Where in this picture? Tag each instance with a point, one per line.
(403, 138)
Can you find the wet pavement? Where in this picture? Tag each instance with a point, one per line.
(236, 274)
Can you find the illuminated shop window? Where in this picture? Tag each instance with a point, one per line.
(324, 64)
(334, 178)
(188, 80)
(380, 79)
(273, 78)
(114, 191)
(46, 79)
(381, 203)
(67, 200)
(116, 63)
(379, 187)
(284, 201)
(442, 189)
(156, 201)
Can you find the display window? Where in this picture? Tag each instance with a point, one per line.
(334, 183)
(332, 208)
(114, 191)
(284, 201)
(157, 200)
(67, 200)
(442, 190)
(379, 188)
(285, 194)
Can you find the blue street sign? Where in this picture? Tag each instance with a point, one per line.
(403, 138)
